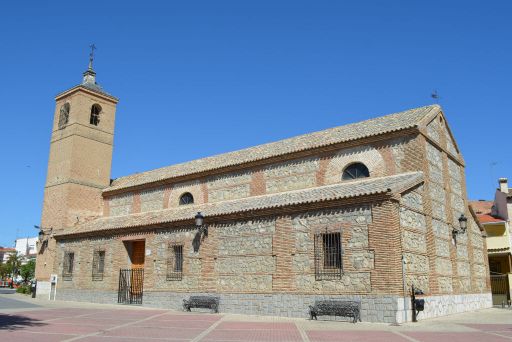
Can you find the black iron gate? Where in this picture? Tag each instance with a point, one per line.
(500, 289)
(130, 286)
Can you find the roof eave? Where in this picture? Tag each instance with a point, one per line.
(242, 214)
(304, 199)
(80, 87)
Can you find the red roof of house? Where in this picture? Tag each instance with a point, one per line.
(488, 219)
(482, 207)
(7, 249)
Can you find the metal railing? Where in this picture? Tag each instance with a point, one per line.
(131, 287)
(328, 254)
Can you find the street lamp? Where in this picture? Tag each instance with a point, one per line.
(463, 225)
(43, 243)
(203, 229)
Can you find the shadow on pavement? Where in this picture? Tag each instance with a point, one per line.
(15, 322)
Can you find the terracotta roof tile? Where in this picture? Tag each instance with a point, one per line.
(482, 207)
(367, 186)
(488, 219)
(381, 125)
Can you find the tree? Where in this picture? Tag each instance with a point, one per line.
(4, 271)
(14, 263)
(28, 270)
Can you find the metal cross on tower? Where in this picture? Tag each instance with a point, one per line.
(91, 55)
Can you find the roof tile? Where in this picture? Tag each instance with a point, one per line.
(368, 186)
(384, 124)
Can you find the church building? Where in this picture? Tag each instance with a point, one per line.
(359, 212)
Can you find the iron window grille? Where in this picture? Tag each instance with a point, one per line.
(95, 114)
(175, 262)
(64, 115)
(186, 198)
(354, 171)
(98, 265)
(67, 269)
(328, 255)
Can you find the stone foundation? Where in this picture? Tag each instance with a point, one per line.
(43, 289)
(383, 309)
(436, 306)
(89, 296)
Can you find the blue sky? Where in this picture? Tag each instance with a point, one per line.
(197, 78)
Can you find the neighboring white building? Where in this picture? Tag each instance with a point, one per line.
(5, 252)
(26, 247)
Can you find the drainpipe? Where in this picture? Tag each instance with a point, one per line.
(404, 261)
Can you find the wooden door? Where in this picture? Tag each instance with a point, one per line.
(138, 249)
(137, 274)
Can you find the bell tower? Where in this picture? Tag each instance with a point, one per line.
(79, 163)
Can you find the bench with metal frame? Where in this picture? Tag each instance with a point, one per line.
(206, 302)
(344, 308)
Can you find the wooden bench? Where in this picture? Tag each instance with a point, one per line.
(207, 302)
(345, 308)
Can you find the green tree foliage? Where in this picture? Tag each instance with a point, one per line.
(28, 270)
(4, 271)
(14, 263)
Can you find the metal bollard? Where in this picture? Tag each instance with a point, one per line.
(33, 288)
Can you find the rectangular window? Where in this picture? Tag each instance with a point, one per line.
(175, 262)
(98, 265)
(328, 255)
(67, 267)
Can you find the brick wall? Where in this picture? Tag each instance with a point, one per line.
(78, 167)
(267, 255)
(382, 158)
(452, 265)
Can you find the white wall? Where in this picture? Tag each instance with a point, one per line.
(24, 245)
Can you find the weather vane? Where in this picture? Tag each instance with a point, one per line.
(435, 96)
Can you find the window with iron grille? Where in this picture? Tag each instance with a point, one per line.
(186, 198)
(328, 255)
(175, 262)
(98, 265)
(67, 267)
(64, 115)
(95, 114)
(354, 171)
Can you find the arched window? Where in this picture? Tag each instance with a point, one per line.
(64, 115)
(186, 198)
(356, 170)
(95, 114)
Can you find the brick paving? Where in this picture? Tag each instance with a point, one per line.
(128, 324)
(354, 336)
(456, 337)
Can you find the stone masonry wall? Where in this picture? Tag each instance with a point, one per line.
(83, 250)
(414, 238)
(382, 159)
(253, 256)
(452, 268)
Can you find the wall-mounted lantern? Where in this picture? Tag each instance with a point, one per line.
(42, 237)
(203, 229)
(463, 225)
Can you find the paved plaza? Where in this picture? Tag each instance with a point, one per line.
(26, 319)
